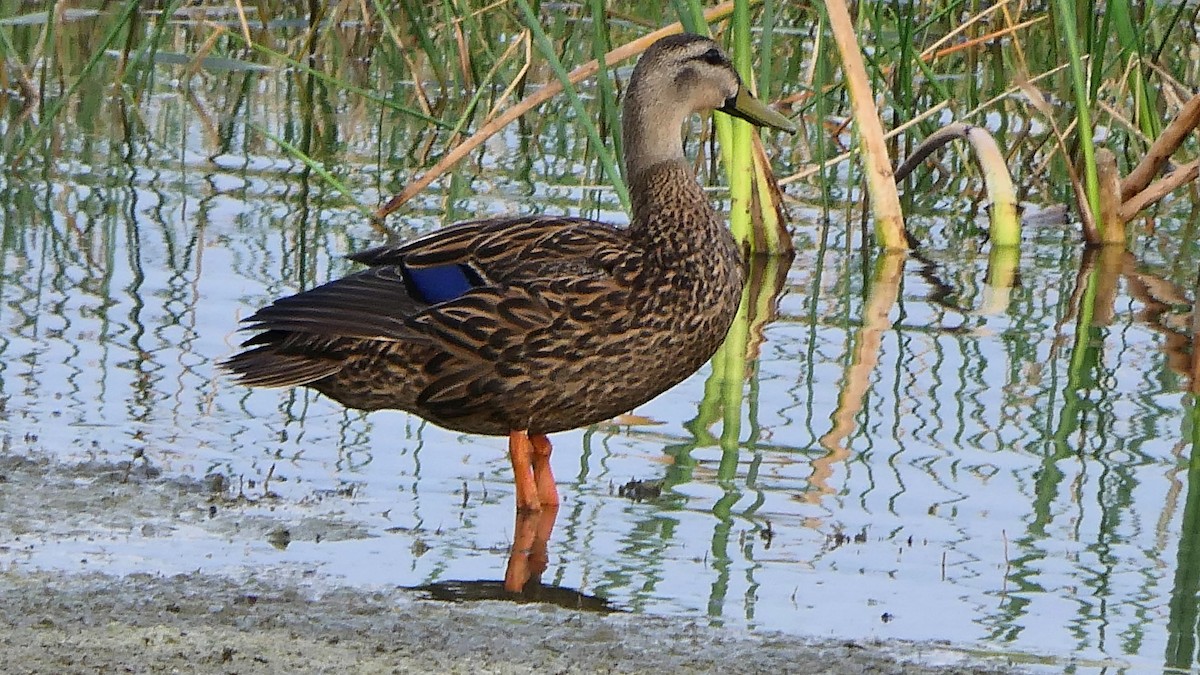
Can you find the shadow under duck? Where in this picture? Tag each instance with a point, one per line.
(530, 325)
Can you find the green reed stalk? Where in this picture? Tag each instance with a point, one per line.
(607, 159)
(420, 30)
(691, 16)
(1066, 19)
(1129, 37)
(736, 138)
(823, 108)
(147, 51)
(766, 49)
(736, 141)
(1168, 29)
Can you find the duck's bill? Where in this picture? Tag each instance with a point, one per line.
(745, 106)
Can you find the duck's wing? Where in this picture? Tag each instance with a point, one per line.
(305, 337)
(470, 291)
(449, 267)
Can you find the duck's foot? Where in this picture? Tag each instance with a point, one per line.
(528, 557)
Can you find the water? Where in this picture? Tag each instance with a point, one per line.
(971, 494)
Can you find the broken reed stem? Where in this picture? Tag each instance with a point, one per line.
(1161, 188)
(1005, 223)
(1162, 149)
(1122, 200)
(1112, 225)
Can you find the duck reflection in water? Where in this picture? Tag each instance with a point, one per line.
(528, 558)
(523, 577)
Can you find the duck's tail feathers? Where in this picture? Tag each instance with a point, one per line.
(265, 366)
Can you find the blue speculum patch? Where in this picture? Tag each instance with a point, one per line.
(441, 283)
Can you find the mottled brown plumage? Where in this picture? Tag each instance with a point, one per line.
(562, 322)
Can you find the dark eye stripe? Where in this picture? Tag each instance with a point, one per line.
(713, 57)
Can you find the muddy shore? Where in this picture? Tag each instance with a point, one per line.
(279, 620)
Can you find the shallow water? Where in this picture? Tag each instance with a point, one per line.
(975, 495)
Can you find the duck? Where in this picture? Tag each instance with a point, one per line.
(530, 325)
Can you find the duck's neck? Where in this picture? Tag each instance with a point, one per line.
(652, 134)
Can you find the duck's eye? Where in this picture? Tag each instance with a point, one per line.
(713, 57)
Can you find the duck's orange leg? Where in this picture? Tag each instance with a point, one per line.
(547, 491)
(537, 507)
(520, 453)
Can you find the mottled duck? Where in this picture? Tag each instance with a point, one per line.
(525, 326)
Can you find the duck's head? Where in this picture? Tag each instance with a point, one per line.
(678, 76)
